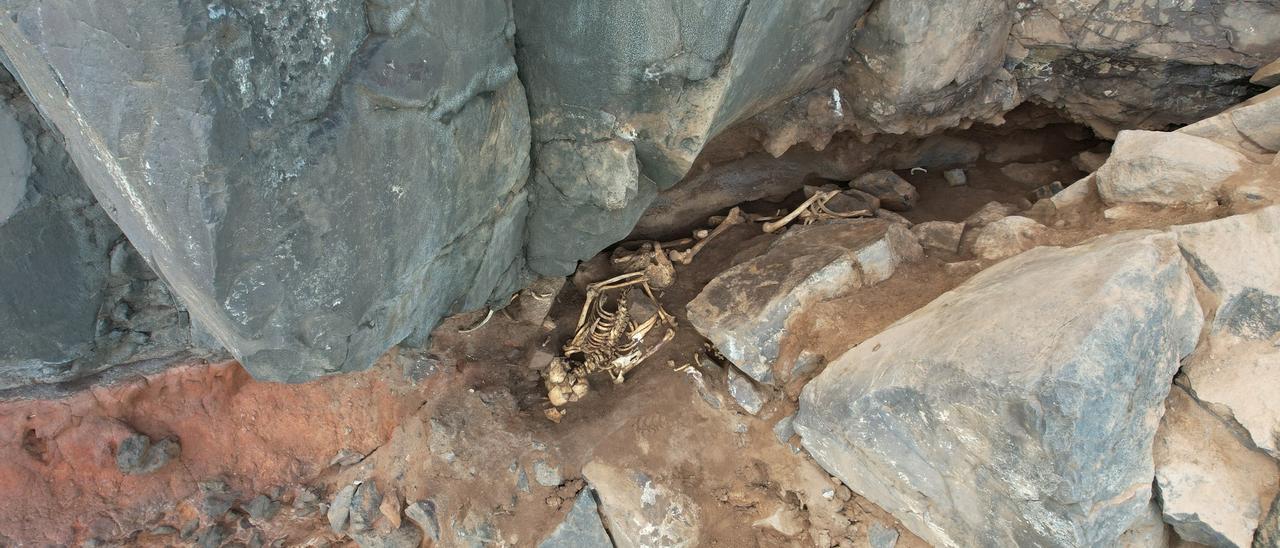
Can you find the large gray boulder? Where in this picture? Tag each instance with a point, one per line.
(624, 94)
(1019, 408)
(1007, 237)
(905, 75)
(745, 310)
(317, 181)
(1213, 489)
(1149, 531)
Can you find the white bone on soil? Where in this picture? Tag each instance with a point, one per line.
(685, 257)
(775, 225)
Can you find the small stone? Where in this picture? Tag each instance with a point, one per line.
(546, 475)
(554, 501)
(346, 457)
(164, 530)
(894, 192)
(1121, 212)
(784, 520)
(212, 537)
(1268, 75)
(217, 501)
(340, 508)
(1213, 489)
(189, 529)
(262, 508)
(829, 494)
(390, 508)
(989, 213)
(136, 455)
(364, 506)
(553, 414)
(880, 535)
(744, 392)
(1007, 237)
(540, 359)
(892, 217)
(535, 301)
(522, 481)
(1148, 531)
(955, 177)
(635, 505)
(939, 235)
(423, 513)
(405, 536)
(962, 268)
(1047, 191)
(1089, 161)
(785, 428)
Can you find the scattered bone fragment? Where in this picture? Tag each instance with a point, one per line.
(685, 257)
(815, 209)
(610, 336)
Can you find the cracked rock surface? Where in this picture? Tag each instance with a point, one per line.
(317, 181)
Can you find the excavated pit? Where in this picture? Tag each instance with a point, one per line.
(463, 423)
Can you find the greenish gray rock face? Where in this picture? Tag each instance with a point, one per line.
(972, 436)
(317, 180)
(74, 298)
(624, 95)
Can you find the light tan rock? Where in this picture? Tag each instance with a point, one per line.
(1148, 531)
(1077, 193)
(1259, 121)
(939, 235)
(1213, 489)
(1234, 378)
(1007, 237)
(990, 212)
(1165, 168)
(1268, 75)
(1089, 161)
